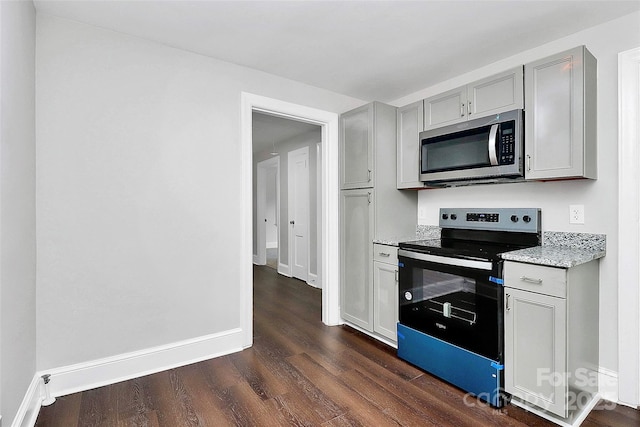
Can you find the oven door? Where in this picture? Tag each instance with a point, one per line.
(458, 301)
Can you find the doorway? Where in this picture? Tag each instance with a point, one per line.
(328, 122)
(268, 213)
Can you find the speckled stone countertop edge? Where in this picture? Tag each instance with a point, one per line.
(554, 256)
(562, 249)
(423, 232)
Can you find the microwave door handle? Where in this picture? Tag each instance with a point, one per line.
(493, 143)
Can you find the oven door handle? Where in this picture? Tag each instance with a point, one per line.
(457, 262)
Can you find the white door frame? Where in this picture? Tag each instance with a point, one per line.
(329, 211)
(261, 239)
(629, 228)
(291, 216)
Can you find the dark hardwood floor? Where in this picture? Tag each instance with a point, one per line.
(299, 372)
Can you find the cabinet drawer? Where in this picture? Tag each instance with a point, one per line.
(536, 278)
(385, 253)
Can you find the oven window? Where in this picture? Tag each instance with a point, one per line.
(461, 308)
(451, 296)
(460, 151)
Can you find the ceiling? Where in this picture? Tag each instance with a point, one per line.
(370, 50)
(269, 130)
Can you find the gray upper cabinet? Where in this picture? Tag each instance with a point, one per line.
(410, 124)
(356, 152)
(446, 108)
(496, 94)
(492, 95)
(560, 125)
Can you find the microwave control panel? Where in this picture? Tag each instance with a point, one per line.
(507, 144)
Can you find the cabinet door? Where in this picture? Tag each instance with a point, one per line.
(385, 296)
(555, 90)
(496, 94)
(536, 349)
(356, 148)
(446, 108)
(410, 123)
(356, 231)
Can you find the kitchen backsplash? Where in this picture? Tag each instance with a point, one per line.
(424, 232)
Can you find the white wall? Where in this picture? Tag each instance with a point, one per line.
(138, 190)
(17, 204)
(599, 197)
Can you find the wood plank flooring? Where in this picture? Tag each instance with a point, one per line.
(299, 372)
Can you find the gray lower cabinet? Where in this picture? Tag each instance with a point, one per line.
(560, 123)
(385, 291)
(356, 229)
(551, 336)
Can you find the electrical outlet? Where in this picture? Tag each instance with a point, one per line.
(576, 214)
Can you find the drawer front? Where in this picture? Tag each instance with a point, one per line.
(536, 278)
(385, 253)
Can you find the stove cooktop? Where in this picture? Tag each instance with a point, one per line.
(488, 251)
(482, 234)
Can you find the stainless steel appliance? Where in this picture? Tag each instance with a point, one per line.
(451, 296)
(488, 149)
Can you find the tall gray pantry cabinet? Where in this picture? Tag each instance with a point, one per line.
(370, 207)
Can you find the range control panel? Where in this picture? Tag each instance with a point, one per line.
(528, 220)
(483, 217)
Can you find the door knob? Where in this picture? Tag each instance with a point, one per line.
(292, 222)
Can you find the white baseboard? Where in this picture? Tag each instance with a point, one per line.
(576, 421)
(110, 370)
(272, 245)
(312, 280)
(284, 269)
(256, 259)
(30, 406)
(608, 384)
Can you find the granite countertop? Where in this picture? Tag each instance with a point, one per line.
(393, 241)
(563, 250)
(554, 256)
(423, 232)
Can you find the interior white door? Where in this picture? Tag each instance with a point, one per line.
(298, 168)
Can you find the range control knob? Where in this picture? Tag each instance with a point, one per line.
(408, 296)
(445, 216)
(514, 218)
(454, 217)
(526, 218)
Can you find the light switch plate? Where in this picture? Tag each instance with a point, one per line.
(422, 213)
(576, 214)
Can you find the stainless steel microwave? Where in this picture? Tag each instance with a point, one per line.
(486, 149)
